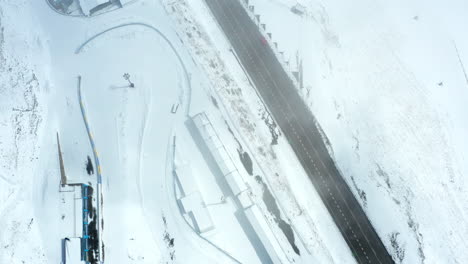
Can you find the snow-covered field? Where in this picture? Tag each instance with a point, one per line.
(134, 130)
(387, 82)
(23, 89)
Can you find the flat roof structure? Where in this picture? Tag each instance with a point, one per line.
(219, 153)
(235, 182)
(244, 199)
(260, 226)
(195, 207)
(186, 179)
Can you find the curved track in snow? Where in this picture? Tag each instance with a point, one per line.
(168, 180)
(187, 95)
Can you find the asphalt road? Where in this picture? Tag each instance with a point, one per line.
(299, 127)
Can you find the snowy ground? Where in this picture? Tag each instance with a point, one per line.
(133, 130)
(23, 86)
(387, 83)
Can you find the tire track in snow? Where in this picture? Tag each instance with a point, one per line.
(461, 63)
(186, 93)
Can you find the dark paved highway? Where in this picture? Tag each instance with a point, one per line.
(298, 125)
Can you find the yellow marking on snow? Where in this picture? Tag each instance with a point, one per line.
(99, 169)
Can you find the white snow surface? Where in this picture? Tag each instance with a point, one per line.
(387, 82)
(23, 86)
(133, 130)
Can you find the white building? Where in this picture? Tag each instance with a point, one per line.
(196, 209)
(264, 233)
(219, 153)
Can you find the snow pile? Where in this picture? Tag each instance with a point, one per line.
(22, 87)
(388, 84)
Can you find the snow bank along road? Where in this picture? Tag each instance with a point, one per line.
(299, 126)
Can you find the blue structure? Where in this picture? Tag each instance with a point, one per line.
(85, 239)
(85, 246)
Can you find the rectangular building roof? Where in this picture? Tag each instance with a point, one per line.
(193, 204)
